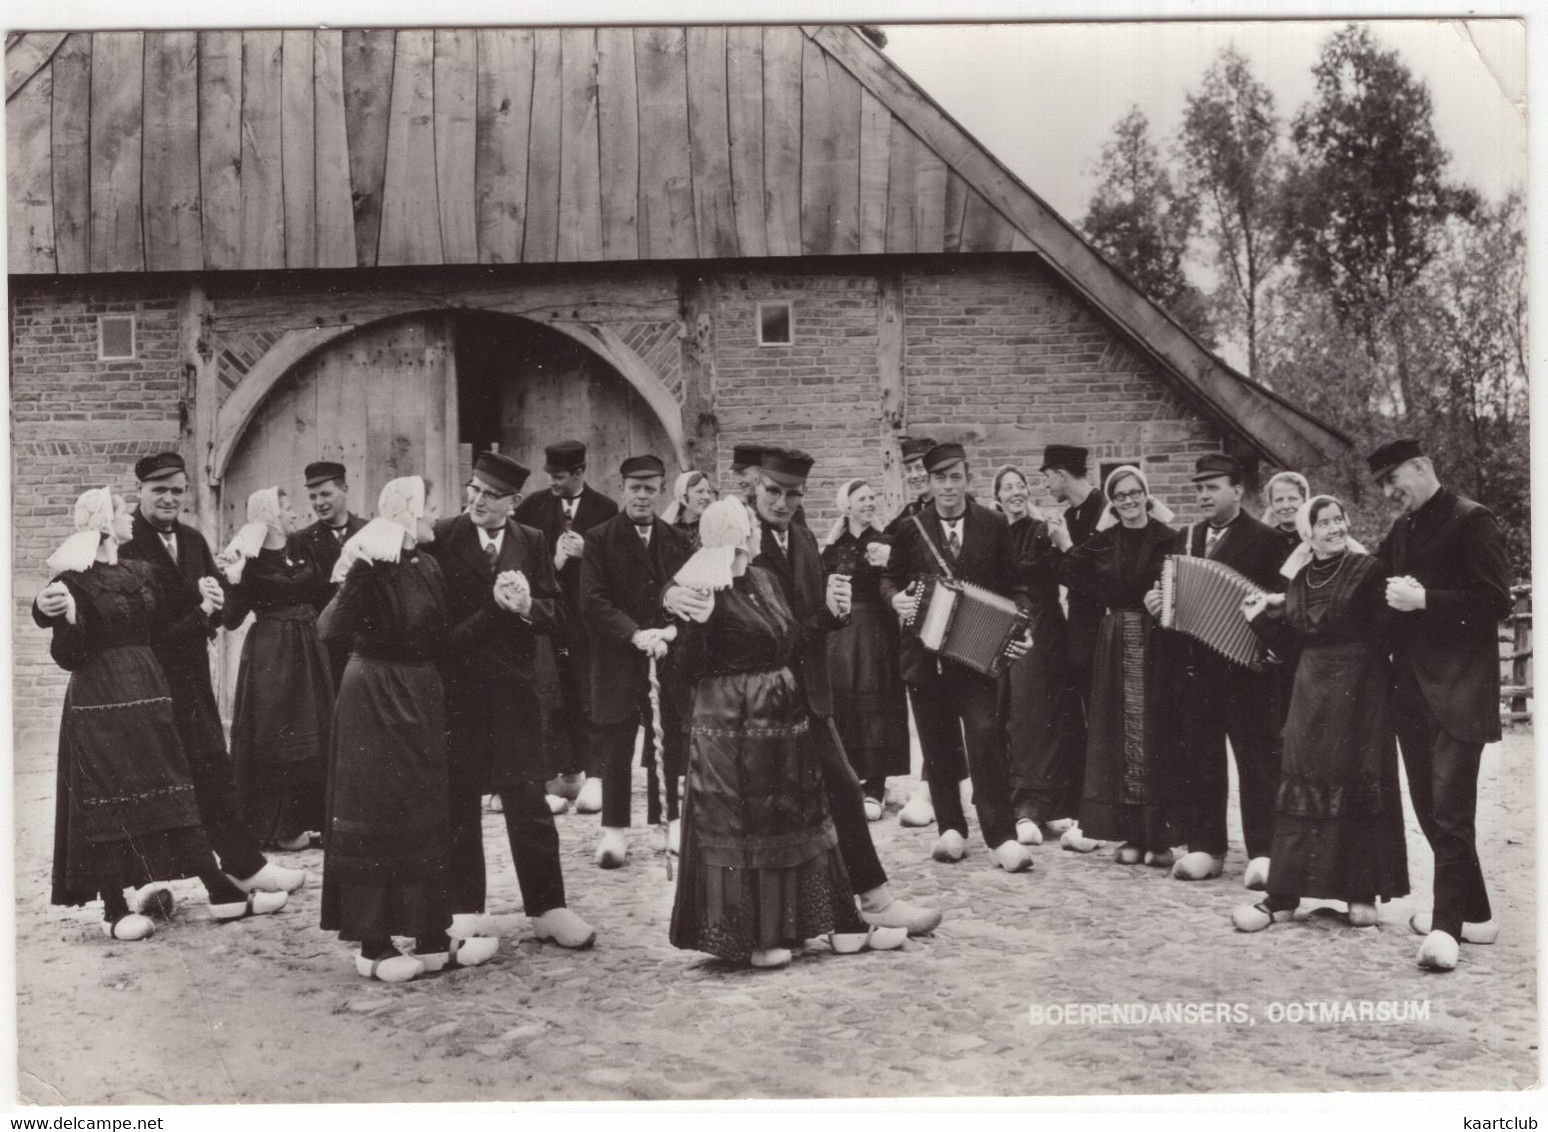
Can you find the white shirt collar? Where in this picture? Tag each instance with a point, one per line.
(487, 538)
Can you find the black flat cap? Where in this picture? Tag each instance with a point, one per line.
(498, 470)
(1066, 457)
(638, 467)
(565, 456)
(942, 456)
(321, 471)
(1214, 464)
(787, 465)
(747, 455)
(915, 447)
(159, 466)
(1391, 454)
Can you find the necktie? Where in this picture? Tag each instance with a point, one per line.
(1212, 535)
(170, 542)
(568, 506)
(953, 543)
(492, 552)
(644, 536)
(782, 540)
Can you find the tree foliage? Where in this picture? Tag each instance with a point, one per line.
(1368, 194)
(1231, 166)
(1143, 225)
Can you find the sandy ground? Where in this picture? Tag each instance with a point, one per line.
(271, 1010)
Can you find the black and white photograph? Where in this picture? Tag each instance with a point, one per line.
(731, 556)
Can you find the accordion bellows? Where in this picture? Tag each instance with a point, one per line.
(966, 623)
(1203, 598)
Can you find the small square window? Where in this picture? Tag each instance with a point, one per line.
(775, 324)
(115, 337)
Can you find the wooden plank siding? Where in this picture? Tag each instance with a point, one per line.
(709, 144)
(173, 236)
(368, 79)
(261, 150)
(456, 100)
(298, 148)
(220, 146)
(618, 140)
(502, 121)
(667, 228)
(117, 126)
(262, 231)
(411, 214)
(541, 242)
(580, 162)
(334, 215)
(70, 153)
(29, 182)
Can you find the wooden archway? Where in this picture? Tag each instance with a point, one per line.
(237, 413)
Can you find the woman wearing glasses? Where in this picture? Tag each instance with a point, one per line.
(1128, 721)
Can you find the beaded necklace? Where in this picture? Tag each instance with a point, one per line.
(1328, 575)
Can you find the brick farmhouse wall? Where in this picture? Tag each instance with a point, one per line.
(994, 351)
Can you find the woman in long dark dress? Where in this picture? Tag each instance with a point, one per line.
(124, 813)
(870, 706)
(388, 820)
(1338, 819)
(284, 688)
(1038, 702)
(1130, 720)
(761, 871)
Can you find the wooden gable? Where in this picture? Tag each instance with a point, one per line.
(258, 150)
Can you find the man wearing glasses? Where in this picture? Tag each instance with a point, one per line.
(491, 700)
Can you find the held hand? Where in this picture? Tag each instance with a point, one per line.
(1253, 605)
(688, 604)
(1153, 601)
(227, 559)
(878, 554)
(574, 545)
(906, 603)
(838, 596)
(1018, 648)
(53, 600)
(1059, 532)
(214, 596)
(1405, 594)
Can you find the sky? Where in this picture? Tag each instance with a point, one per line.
(1045, 97)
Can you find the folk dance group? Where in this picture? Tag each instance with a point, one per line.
(402, 674)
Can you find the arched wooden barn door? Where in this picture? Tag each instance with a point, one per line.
(419, 395)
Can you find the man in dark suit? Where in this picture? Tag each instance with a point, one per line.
(1219, 699)
(193, 598)
(789, 552)
(1450, 587)
(946, 695)
(627, 562)
(564, 513)
(918, 810)
(1065, 468)
(328, 492)
(491, 704)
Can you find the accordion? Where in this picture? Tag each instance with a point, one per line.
(1203, 598)
(966, 623)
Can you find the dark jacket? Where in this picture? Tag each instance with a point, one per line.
(1452, 546)
(1085, 611)
(804, 580)
(543, 511)
(181, 635)
(988, 559)
(1250, 547)
(491, 704)
(621, 584)
(323, 547)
